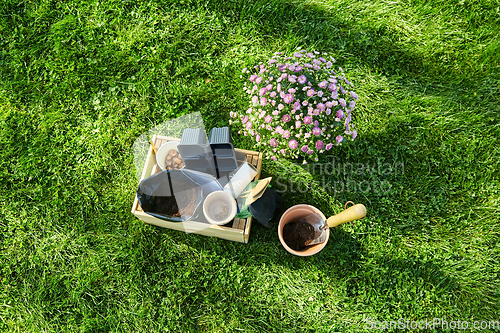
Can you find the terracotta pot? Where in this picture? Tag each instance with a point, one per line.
(295, 213)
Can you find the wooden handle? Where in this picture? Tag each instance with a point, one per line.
(153, 146)
(350, 214)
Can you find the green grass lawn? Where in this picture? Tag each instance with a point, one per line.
(81, 80)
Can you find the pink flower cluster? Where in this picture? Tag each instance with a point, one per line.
(299, 105)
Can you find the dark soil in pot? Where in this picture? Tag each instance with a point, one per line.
(297, 234)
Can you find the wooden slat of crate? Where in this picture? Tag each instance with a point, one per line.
(159, 143)
(239, 229)
(239, 223)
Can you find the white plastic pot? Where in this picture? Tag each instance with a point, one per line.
(162, 153)
(219, 207)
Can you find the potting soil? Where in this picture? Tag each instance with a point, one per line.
(298, 234)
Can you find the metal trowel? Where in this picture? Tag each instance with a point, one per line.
(316, 221)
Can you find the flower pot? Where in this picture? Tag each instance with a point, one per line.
(293, 214)
(219, 207)
(162, 153)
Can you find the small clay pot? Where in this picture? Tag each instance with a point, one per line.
(294, 214)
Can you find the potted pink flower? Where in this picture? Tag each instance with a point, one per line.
(299, 105)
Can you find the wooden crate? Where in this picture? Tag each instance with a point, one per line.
(237, 230)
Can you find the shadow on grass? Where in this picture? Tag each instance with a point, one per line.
(378, 46)
(344, 273)
(165, 264)
(433, 187)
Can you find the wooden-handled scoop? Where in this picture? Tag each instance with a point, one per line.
(311, 229)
